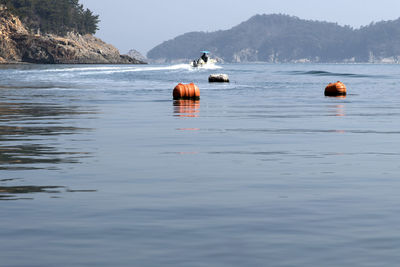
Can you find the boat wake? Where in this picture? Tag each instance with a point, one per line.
(208, 67)
(124, 69)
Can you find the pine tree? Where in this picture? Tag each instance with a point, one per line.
(54, 16)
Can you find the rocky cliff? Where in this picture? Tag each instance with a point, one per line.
(18, 44)
(136, 54)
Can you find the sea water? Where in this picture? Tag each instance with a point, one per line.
(100, 167)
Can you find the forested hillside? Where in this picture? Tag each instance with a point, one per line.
(64, 38)
(54, 16)
(283, 38)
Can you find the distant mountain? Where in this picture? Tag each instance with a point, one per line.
(282, 38)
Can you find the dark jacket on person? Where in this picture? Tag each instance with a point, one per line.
(204, 57)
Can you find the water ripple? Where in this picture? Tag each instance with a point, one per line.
(333, 74)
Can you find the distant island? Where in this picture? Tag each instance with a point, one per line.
(280, 38)
(53, 32)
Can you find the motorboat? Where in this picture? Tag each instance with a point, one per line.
(203, 61)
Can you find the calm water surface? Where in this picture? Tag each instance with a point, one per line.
(100, 167)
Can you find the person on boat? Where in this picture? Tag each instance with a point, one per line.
(204, 57)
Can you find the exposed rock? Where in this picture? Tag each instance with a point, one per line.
(218, 78)
(245, 55)
(18, 45)
(137, 55)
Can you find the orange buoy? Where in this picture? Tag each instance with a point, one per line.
(186, 91)
(335, 89)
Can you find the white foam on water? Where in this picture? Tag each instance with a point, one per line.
(210, 67)
(122, 69)
(186, 67)
(80, 69)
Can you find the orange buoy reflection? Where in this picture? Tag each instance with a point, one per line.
(340, 111)
(187, 108)
(337, 110)
(337, 96)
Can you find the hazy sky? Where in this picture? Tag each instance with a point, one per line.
(143, 24)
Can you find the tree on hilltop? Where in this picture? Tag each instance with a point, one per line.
(54, 16)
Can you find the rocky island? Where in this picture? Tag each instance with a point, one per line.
(25, 37)
(277, 38)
